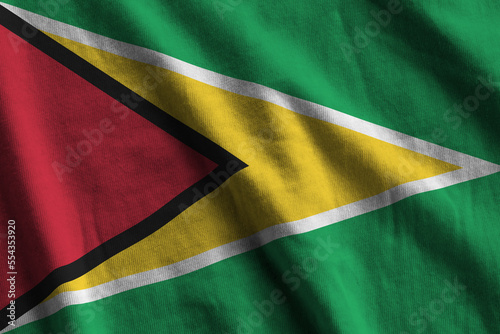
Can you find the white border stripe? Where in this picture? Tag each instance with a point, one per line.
(245, 88)
(471, 167)
(241, 246)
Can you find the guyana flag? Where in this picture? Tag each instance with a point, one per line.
(243, 167)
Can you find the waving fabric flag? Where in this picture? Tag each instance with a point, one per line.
(250, 167)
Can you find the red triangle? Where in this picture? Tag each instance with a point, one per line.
(130, 172)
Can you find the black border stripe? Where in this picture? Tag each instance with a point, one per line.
(112, 87)
(155, 115)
